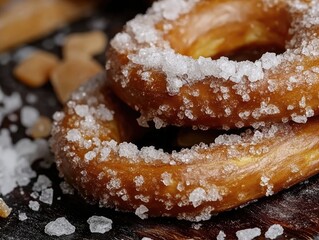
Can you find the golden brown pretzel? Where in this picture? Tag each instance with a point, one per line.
(89, 141)
(160, 64)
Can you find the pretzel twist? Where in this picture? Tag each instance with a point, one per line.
(160, 65)
(91, 143)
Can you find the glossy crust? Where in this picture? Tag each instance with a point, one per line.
(91, 152)
(160, 64)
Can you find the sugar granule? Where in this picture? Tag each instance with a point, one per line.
(61, 226)
(274, 231)
(248, 234)
(99, 224)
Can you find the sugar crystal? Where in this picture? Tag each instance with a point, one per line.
(61, 226)
(99, 224)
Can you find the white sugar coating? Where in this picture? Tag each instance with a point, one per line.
(166, 178)
(29, 115)
(139, 181)
(34, 205)
(96, 138)
(58, 116)
(99, 224)
(128, 150)
(42, 183)
(104, 114)
(148, 51)
(81, 110)
(73, 135)
(89, 156)
(171, 9)
(61, 226)
(248, 234)
(146, 238)
(274, 231)
(175, 65)
(221, 236)
(22, 216)
(197, 196)
(47, 196)
(141, 212)
(299, 118)
(66, 188)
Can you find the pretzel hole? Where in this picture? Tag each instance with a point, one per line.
(218, 28)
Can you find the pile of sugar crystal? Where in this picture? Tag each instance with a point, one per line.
(16, 159)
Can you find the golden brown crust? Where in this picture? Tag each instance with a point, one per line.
(191, 184)
(159, 75)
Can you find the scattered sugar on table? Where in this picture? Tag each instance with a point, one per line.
(47, 196)
(61, 226)
(34, 205)
(274, 231)
(221, 236)
(22, 216)
(248, 234)
(99, 224)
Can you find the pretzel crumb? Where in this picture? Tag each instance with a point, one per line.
(84, 45)
(4, 209)
(70, 74)
(35, 70)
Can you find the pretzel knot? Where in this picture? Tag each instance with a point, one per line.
(162, 65)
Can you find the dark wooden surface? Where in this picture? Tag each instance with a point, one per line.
(296, 209)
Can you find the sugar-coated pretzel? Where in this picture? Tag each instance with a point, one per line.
(160, 64)
(89, 142)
